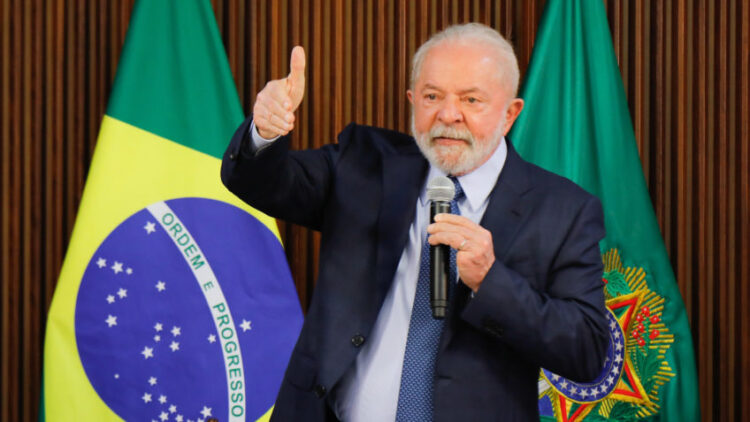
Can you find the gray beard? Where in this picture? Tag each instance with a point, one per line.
(470, 156)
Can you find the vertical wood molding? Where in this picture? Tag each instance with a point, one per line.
(684, 64)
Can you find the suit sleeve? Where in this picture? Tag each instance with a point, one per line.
(291, 185)
(564, 327)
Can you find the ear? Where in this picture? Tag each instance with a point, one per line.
(511, 114)
(410, 96)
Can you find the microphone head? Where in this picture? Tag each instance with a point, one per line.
(440, 189)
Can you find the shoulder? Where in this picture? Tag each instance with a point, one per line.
(384, 140)
(557, 192)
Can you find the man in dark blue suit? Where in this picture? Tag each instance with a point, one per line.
(528, 290)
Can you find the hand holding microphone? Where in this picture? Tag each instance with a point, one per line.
(440, 193)
(473, 243)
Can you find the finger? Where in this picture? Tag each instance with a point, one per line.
(277, 109)
(268, 107)
(453, 240)
(276, 92)
(297, 66)
(265, 123)
(455, 219)
(281, 123)
(268, 130)
(296, 78)
(452, 228)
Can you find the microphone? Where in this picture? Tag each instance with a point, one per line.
(440, 192)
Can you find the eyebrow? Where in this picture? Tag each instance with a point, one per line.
(470, 90)
(430, 86)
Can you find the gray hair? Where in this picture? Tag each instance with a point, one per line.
(508, 71)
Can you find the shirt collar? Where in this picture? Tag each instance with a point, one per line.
(477, 184)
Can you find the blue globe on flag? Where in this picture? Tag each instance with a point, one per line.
(187, 311)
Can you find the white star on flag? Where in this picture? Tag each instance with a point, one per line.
(150, 227)
(175, 346)
(117, 267)
(178, 418)
(618, 358)
(110, 299)
(175, 331)
(158, 326)
(152, 380)
(212, 338)
(146, 397)
(147, 352)
(164, 416)
(111, 320)
(206, 412)
(129, 271)
(246, 325)
(162, 399)
(172, 409)
(101, 262)
(117, 376)
(157, 338)
(612, 325)
(160, 286)
(122, 293)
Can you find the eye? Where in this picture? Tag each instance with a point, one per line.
(472, 100)
(431, 97)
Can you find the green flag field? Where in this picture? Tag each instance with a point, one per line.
(576, 123)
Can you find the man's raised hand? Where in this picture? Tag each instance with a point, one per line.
(273, 112)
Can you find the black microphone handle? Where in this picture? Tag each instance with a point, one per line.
(439, 266)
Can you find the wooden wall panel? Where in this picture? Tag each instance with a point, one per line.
(684, 64)
(57, 63)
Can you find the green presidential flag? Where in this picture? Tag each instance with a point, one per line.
(576, 123)
(175, 301)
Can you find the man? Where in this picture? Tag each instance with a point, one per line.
(528, 291)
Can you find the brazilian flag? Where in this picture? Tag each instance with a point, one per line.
(576, 123)
(175, 301)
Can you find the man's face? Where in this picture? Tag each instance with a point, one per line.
(461, 107)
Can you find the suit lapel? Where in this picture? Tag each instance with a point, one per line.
(403, 175)
(506, 207)
(503, 216)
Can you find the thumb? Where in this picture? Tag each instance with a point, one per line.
(295, 82)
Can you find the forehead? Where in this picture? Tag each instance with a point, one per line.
(460, 64)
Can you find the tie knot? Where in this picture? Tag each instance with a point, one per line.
(459, 190)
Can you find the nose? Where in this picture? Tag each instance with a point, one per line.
(450, 112)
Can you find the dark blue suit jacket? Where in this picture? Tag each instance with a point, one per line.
(541, 304)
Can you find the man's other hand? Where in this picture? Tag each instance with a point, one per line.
(273, 112)
(473, 243)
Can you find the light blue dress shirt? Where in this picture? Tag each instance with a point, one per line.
(368, 391)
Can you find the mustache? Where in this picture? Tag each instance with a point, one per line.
(440, 130)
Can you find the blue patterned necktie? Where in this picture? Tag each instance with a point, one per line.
(417, 376)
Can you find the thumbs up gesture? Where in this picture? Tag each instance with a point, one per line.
(273, 112)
